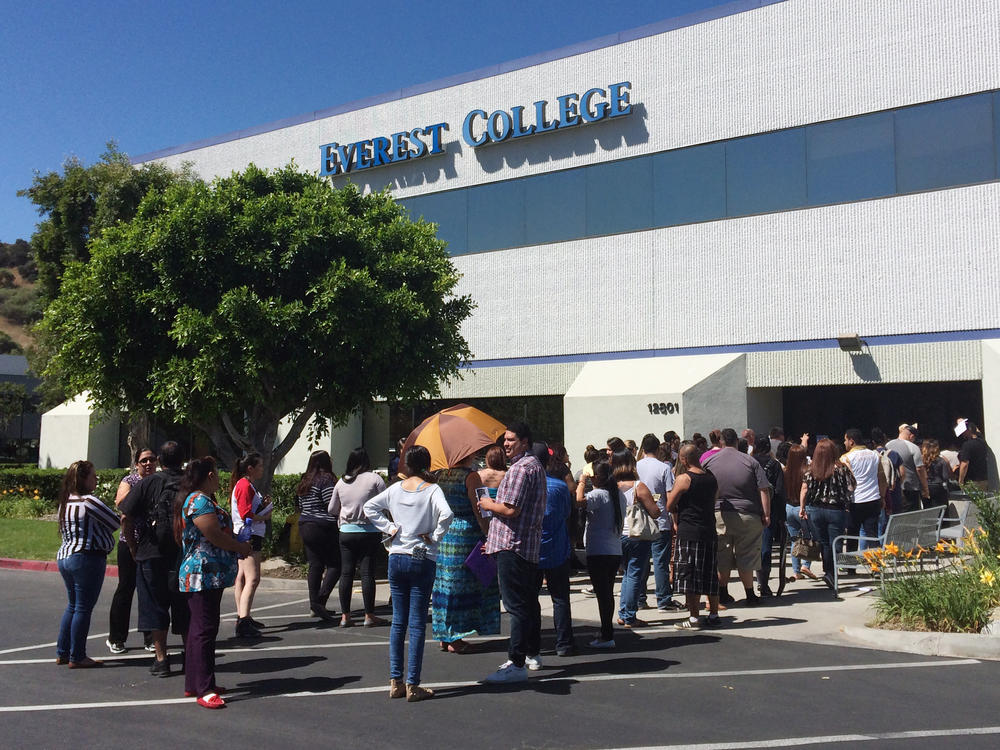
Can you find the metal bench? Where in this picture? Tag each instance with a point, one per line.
(918, 528)
(960, 518)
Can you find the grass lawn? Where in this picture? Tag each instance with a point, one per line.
(33, 539)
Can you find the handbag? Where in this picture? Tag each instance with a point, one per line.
(482, 566)
(806, 546)
(638, 523)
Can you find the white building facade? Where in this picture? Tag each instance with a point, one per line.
(670, 228)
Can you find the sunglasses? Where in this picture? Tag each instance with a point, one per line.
(147, 460)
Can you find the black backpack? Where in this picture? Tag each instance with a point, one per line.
(162, 515)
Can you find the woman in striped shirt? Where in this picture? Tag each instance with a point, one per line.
(87, 527)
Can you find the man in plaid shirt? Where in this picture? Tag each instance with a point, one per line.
(515, 537)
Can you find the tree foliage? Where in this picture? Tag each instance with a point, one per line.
(82, 201)
(260, 296)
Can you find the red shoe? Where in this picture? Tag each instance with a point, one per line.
(211, 700)
(191, 694)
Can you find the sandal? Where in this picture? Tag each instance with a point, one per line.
(371, 621)
(809, 574)
(461, 647)
(211, 700)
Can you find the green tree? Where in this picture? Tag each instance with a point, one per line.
(80, 203)
(76, 206)
(8, 345)
(13, 400)
(262, 296)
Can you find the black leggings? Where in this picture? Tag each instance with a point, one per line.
(603, 569)
(321, 540)
(355, 548)
(121, 604)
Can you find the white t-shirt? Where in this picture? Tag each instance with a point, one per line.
(865, 465)
(414, 512)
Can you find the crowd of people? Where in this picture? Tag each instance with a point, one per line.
(495, 527)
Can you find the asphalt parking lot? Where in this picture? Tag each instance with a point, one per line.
(304, 683)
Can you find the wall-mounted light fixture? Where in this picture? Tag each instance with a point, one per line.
(850, 342)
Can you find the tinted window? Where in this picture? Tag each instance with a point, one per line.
(555, 206)
(496, 216)
(689, 185)
(766, 172)
(849, 160)
(945, 143)
(448, 211)
(619, 196)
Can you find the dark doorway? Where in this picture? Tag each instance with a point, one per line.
(829, 410)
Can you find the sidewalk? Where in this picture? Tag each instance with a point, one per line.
(805, 613)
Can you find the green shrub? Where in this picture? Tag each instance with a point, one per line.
(18, 498)
(23, 506)
(958, 597)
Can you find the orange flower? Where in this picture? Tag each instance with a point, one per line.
(892, 548)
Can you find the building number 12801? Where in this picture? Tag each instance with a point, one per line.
(664, 408)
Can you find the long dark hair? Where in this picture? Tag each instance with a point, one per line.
(623, 466)
(357, 463)
(240, 469)
(418, 463)
(604, 480)
(319, 463)
(195, 475)
(72, 484)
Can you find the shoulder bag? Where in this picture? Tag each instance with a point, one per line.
(639, 524)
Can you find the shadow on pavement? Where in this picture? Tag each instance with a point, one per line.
(559, 680)
(280, 686)
(263, 666)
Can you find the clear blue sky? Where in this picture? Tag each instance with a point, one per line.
(150, 75)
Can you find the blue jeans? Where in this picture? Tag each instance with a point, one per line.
(794, 524)
(635, 554)
(828, 523)
(83, 574)
(410, 582)
(660, 549)
(520, 599)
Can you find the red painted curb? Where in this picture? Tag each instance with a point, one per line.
(49, 566)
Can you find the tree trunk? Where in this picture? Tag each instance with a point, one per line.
(261, 431)
(139, 434)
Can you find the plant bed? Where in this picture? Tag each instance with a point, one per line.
(959, 596)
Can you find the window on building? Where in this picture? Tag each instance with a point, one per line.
(619, 196)
(766, 172)
(496, 215)
(848, 160)
(555, 207)
(449, 211)
(945, 143)
(689, 185)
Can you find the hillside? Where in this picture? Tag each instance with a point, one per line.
(19, 305)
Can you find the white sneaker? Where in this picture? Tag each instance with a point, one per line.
(598, 643)
(589, 591)
(534, 663)
(115, 648)
(508, 672)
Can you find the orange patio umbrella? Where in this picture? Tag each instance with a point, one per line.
(454, 433)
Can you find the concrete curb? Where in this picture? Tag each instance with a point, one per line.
(966, 645)
(48, 566)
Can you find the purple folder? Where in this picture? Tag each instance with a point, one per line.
(483, 567)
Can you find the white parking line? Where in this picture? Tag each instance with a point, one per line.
(102, 636)
(796, 741)
(584, 678)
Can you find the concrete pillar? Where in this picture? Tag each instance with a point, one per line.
(991, 405)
